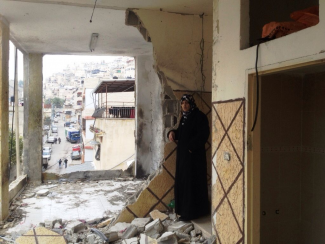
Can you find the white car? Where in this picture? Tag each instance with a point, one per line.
(46, 154)
(51, 139)
(47, 149)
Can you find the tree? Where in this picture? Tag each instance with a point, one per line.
(12, 136)
(57, 102)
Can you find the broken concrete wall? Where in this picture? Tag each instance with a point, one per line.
(149, 133)
(231, 67)
(176, 45)
(176, 40)
(117, 142)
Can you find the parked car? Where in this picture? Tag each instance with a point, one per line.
(46, 127)
(58, 114)
(75, 155)
(56, 120)
(67, 124)
(46, 155)
(76, 148)
(50, 139)
(54, 129)
(47, 149)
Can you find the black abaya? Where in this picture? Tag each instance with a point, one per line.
(191, 190)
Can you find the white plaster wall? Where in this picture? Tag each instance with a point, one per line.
(231, 65)
(89, 155)
(89, 99)
(149, 124)
(117, 144)
(89, 134)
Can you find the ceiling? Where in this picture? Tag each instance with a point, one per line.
(52, 27)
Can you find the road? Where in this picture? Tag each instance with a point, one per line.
(62, 150)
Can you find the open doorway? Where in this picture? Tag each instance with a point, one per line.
(287, 157)
(77, 125)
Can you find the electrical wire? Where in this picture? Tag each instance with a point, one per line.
(202, 56)
(257, 88)
(91, 18)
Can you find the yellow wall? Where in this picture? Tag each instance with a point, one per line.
(117, 142)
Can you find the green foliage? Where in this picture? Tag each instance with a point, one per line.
(57, 102)
(12, 136)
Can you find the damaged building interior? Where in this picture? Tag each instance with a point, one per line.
(255, 68)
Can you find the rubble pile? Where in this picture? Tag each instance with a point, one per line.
(151, 230)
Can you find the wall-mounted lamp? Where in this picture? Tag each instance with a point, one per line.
(93, 41)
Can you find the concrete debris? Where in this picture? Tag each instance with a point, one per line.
(179, 226)
(75, 226)
(43, 192)
(131, 240)
(130, 232)
(154, 229)
(120, 227)
(140, 223)
(168, 238)
(173, 216)
(91, 239)
(184, 236)
(156, 214)
(29, 195)
(130, 191)
(112, 236)
(144, 239)
(105, 223)
(188, 229)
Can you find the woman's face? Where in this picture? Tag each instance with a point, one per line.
(185, 106)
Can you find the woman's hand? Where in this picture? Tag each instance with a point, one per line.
(171, 136)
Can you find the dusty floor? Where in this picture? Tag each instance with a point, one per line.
(69, 201)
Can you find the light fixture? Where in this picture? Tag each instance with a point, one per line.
(93, 41)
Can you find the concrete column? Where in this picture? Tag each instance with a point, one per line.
(33, 99)
(17, 115)
(149, 120)
(4, 117)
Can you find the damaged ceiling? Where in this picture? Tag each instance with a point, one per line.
(64, 27)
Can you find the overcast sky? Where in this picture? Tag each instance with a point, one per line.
(52, 63)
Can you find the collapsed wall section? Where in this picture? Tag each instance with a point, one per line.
(182, 52)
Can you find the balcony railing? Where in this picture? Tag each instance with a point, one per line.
(115, 110)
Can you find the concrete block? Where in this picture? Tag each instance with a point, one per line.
(119, 227)
(48, 224)
(141, 223)
(182, 235)
(188, 229)
(57, 226)
(168, 238)
(154, 228)
(156, 214)
(133, 240)
(179, 226)
(144, 239)
(112, 236)
(75, 226)
(130, 232)
(105, 223)
(91, 239)
(43, 192)
(59, 231)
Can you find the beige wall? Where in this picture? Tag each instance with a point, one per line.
(117, 143)
(230, 77)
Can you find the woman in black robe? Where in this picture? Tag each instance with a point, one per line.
(191, 190)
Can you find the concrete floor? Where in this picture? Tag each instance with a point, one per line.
(71, 201)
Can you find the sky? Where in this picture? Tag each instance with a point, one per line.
(51, 63)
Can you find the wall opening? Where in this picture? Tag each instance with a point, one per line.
(288, 152)
(256, 14)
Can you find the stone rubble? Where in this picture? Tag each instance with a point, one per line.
(159, 228)
(140, 231)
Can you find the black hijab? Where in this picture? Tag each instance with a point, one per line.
(191, 101)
